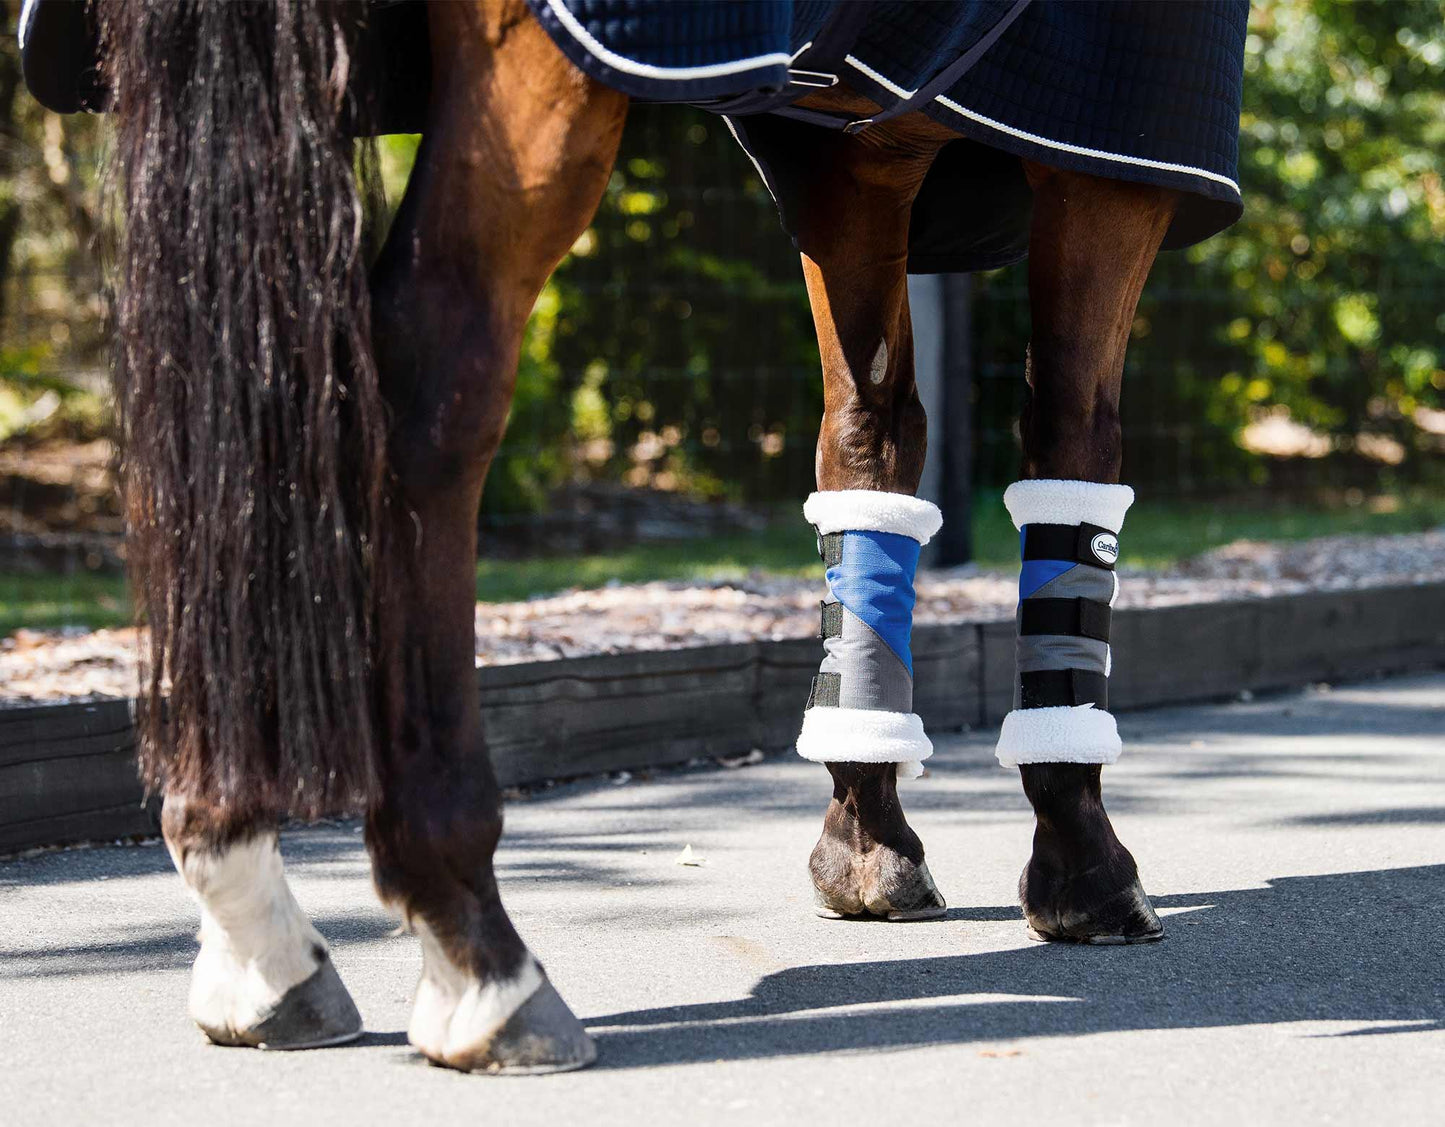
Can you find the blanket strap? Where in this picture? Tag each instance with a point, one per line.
(945, 79)
(817, 67)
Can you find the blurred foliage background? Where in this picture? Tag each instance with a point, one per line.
(1304, 348)
(1298, 356)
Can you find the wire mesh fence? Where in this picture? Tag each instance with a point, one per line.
(669, 383)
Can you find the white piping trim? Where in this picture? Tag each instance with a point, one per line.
(27, 17)
(648, 70)
(1080, 150)
(1067, 734)
(890, 86)
(763, 176)
(868, 510)
(1025, 135)
(1053, 501)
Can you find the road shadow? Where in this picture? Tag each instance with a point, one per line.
(1358, 947)
(171, 947)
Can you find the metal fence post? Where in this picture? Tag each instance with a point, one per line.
(926, 309)
(942, 367)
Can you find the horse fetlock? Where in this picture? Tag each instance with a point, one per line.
(263, 976)
(513, 1024)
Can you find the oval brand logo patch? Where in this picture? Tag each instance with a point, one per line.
(1105, 547)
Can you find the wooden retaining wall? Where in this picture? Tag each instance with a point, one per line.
(67, 772)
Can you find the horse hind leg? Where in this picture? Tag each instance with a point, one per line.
(264, 976)
(853, 232)
(1092, 244)
(504, 182)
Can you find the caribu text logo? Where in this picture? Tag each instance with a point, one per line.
(1105, 546)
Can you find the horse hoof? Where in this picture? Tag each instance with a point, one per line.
(542, 1037)
(313, 1014)
(1096, 940)
(880, 884)
(901, 891)
(918, 915)
(1079, 910)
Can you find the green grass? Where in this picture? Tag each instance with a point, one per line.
(1158, 534)
(48, 601)
(779, 550)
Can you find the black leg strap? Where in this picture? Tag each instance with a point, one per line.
(824, 693)
(1080, 618)
(830, 548)
(1056, 688)
(1079, 543)
(832, 625)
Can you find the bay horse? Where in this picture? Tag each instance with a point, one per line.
(305, 437)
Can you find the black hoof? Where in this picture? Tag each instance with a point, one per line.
(880, 884)
(1086, 909)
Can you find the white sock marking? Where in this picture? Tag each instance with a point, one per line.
(256, 942)
(455, 1014)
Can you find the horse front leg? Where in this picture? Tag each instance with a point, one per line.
(860, 720)
(515, 156)
(1091, 247)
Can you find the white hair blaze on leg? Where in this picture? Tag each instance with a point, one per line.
(456, 1016)
(878, 370)
(257, 945)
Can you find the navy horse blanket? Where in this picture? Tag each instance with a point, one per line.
(1141, 90)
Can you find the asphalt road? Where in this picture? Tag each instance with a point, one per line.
(1295, 847)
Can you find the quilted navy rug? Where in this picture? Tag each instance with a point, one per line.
(1138, 90)
(1142, 90)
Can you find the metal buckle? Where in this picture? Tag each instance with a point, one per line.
(857, 126)
(802, 77)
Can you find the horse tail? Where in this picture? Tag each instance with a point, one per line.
(252, 428)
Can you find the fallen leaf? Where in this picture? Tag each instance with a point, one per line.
(689, 858)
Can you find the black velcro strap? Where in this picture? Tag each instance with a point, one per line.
(824, 693)
(830, 548)
(1080, 618)
(1060, 688)
(1080, 543)
(832, 620)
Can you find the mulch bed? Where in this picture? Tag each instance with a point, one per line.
(45, 667)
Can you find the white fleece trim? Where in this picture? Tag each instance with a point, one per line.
(1067, 734)
(865, 735)
(867, 510)
(1068, 502)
